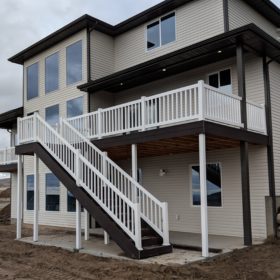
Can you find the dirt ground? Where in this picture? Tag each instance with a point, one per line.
(20, 260)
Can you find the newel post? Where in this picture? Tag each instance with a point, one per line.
(143, 112)
(165, 224)
(137, 226)
(99, 121)
(77, 167)
(35, 127)
(201, 99)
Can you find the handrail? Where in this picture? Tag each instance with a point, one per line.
(8, 156)
(122, 210)
(152, 210)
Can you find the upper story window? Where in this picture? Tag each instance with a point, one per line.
(32, 81)
(74, 63)
(75, 107)
(51, 73)
(52, 115)
(214, 185)
(221, 80)
(161, 32)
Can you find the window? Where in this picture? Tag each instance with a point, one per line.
(75, 107)
(74, 63)
(30, 192)
(52, 192)
(33, 81)
(71, 202)
(161, 32)
(51, 73)
(52, 115)
(221, 80)
(214, 186)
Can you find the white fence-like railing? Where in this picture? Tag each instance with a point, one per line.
(118, 206)
(152, 211)
(191, 103)
(256, 119)
(8, 156)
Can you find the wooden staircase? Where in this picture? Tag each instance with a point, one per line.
(151, 241)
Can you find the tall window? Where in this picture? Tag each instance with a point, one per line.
(33, 81)
(52, 192)
(30, 192)
(74, 63)
(161, 32)
(52, 115)
(75, 107)
(51, 73)
(221, 80)
(71, 202)
(214, 186)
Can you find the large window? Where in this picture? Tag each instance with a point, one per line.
(52, 192)
(51, 73)
(161, 32)
(52, 115)
(221, 80)
(74, 63)
(33, 81)
(214, 186)
(71, 202)
(30, 192)
(75, 107)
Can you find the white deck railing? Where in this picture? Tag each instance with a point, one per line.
(187, 104)
(8, 156)
(153, 211)
(118, 206)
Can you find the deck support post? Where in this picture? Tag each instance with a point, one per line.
(134, 167)
(244, 146)
(203, 195)
(19, 196)
(36, 198)
(86, 225)
(78, 226)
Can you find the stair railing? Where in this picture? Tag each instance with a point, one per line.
(119, 207)
(153, 211)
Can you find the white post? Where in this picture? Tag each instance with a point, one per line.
(165, 225)
(86, 225)
(35, 127)
(201, 98)
(78, 226)
(137, 219)
(5, 156)
(106, 238)
(77, 165)
(143, 112)
(203, 195)
(19, 197)
(99, 121)
(134, 167)
(36, 198)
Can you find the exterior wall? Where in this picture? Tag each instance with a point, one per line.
(101, 55)
(254, 81)
(195, 21)
(275, 105)
(64, 93)
(175, 188)
(241, 14)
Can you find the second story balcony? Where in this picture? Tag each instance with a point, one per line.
(198, 102)
(8, 160)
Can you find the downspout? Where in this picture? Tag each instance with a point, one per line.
(226, 15)
(270, 154)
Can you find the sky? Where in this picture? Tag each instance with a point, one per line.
(24, 22)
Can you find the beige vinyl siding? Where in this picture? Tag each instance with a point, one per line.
(101, 55)
(275, 102)
(195, 21)
(241, 14)
(254, 80)
(175, 188)
(60, 96)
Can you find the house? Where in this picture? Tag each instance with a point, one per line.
(148, 122)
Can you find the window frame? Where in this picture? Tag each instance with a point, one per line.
(159, 19)
(66, 63)
(26, 200)
(58, 74)
(191, 185)
(38, 80)
(59, 195)
(218, 72)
